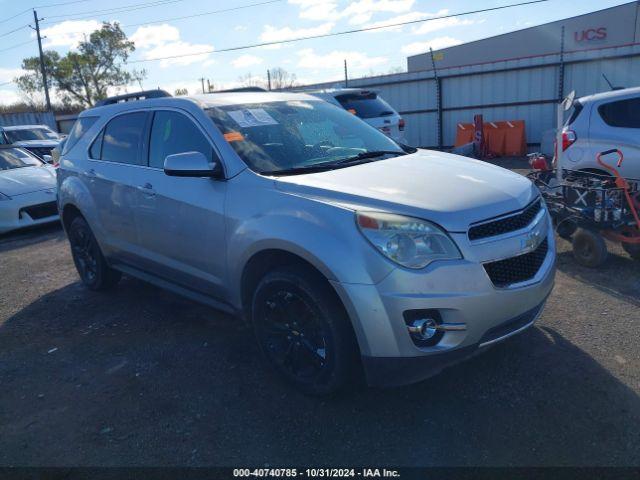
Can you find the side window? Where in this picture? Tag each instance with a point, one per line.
(122, 138)
(623, 113)
(173, 133)
(77, 132)
(95, 151)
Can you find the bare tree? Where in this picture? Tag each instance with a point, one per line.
(179, 92)
(281, 79)
(248, 80)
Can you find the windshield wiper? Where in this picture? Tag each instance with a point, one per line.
(362, 157)
(367, 156)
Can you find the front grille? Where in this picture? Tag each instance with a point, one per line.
(43, 210)
(517, 269)
(40, 151)
(506, 225)
(511, 325)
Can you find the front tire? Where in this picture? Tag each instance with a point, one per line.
(589, 248)
(304, 331)
(88, 259)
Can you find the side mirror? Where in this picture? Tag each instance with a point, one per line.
(47, 158)
(190, 164)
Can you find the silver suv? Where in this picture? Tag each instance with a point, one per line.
(342, 249)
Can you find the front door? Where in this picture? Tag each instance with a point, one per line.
(181, 220)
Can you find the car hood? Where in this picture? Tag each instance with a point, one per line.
(19, 181)
(37, 143)
(450, 190)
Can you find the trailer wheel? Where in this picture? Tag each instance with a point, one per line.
(566, 228)
(589, 248)
(633, 249)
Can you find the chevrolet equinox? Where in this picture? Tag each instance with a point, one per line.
(345, 251)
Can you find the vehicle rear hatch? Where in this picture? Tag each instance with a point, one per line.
(373, 109)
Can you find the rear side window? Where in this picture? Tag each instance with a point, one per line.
(172, 133)
(577, 108)
(121, 139)
(365, 106)
(623, 113)
(77, 132)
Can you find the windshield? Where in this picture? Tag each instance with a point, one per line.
(11, 158)
(30, 134)
(367, 105)
(278, 136)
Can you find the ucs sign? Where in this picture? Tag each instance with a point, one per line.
(590, 35)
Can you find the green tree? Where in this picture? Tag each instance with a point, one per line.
(83, 76)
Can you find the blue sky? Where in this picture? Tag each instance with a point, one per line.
(312, 61)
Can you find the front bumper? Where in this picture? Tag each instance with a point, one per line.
(462, 293)
(14, 212)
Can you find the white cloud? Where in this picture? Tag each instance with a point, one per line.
(8, 97)
(154, 35)
(68, 33)
(436, 43)
(244, 61)
(273, 34)
(164, 41)
(318, 10)
(440, 24)
(308, 58)
(357, 12)
(407, 17)
(8, 74)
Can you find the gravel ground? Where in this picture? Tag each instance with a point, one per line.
(140, 376)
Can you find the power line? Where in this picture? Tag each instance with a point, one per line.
(42, 6)
(344, 32)
(202, 14)
(185, 17)
(123, 9)
(14, 30)
(18, 45)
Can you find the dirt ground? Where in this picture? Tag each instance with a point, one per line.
(140, 376)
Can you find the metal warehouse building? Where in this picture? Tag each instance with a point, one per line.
(516, 76)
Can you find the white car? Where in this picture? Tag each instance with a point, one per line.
(601, 122)
(38, 139)
(369, 106)
(27, 190)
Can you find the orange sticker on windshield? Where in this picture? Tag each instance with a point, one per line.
(233, 137)
(352, 110)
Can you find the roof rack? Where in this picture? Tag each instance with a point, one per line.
(132, 97)
(242, 89)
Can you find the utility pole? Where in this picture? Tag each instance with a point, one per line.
(42, 69)
(209, 87)
(202, 81)
(346, 75)
(438, 98)
(269, 79)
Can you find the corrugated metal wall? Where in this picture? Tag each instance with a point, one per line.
(524, 89)
(28, 118)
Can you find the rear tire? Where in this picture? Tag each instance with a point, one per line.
(304, 331)
(88, 259)
(633, 249)
(589, 248)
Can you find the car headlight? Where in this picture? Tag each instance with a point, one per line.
(410, 242)
(4, 197)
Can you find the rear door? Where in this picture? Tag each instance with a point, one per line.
(181, 219)
(114, 171)
(616, 124)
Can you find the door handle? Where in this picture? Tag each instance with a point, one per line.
(147, 190)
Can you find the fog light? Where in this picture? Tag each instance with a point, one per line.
(423, 328)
